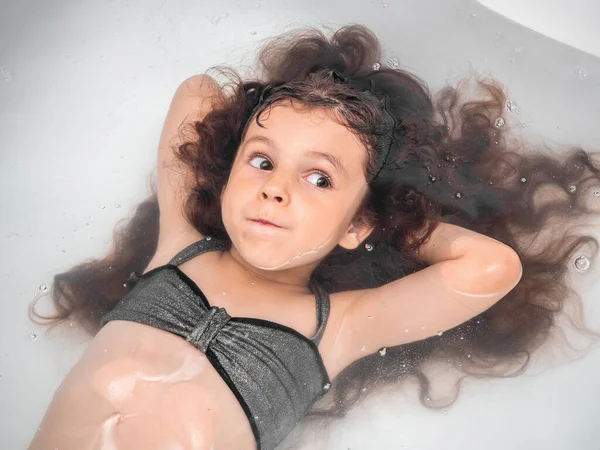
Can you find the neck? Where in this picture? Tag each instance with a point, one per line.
(293, 280)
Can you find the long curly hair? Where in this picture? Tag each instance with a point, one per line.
(452, 160)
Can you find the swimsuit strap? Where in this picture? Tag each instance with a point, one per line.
(207, 244)
(210, 244)
(322, 309)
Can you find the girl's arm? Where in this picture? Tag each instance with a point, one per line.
(469, 272)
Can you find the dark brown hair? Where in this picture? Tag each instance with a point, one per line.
(452, 160)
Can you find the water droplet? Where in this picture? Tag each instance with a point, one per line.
(462, 338)
(597, 193)
(369, 317)
(432, 178)
(364, 389)
(63, 252)
(384, 4)
(406, 330)
(427, 399)
(572, 188)
(117, 206)
(208, 238)
(6, 75)
(582, 263)
(33, 336)
(224, 293)
(327, 386)
(439, 333)
(393, 63)
(376, 66)
(87, 224)
(43, 288)
(253, 33)
(458, 195)
(468, 356)
(218, 18)
(473, 15)
(369, 247)
(523, 180)
(102, 207)
(500, 122)
(445, 411)
(512, 107)
(257, 5)
(362, 349)
(581, 74)
(383, 351)
(513, 60)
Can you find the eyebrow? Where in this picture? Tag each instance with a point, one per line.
(333, 160)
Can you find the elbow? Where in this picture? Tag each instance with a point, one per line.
(506, 269)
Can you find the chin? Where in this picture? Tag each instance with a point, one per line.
(264, 255)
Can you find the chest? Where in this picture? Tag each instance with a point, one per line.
(243, 298)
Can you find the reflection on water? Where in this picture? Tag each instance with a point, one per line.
(84, 89)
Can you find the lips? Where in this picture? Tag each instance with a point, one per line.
(265, 222)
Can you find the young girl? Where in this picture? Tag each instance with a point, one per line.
(323, 230)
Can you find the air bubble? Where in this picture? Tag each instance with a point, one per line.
(327, 386)
(369, 247)
(43, 288)
(581, 74)
(499, 122)
(512, 107)
(376, 66)
(458, 195)
(33, 336)
(582, 263)
(383, 351)
(6, 75)
(523, 180)
(393, 63)
(572, 188)
(432, 178)
(117, 206)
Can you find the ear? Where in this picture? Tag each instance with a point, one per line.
(355, 235)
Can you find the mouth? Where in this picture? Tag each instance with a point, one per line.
(266, 223)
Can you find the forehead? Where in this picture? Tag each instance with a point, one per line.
(295, 129)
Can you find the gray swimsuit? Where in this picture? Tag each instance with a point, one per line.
(275, 372)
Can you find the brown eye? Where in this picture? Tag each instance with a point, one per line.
(323, 181)
(264, 165)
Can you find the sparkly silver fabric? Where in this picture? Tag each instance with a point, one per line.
(275, 372)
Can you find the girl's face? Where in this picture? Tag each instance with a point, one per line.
(302, 172)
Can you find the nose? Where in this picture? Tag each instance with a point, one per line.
(275, 189)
